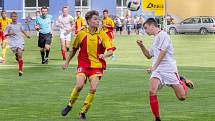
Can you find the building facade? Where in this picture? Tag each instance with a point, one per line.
(26, 8)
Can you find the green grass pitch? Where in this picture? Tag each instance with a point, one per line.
(122, 94)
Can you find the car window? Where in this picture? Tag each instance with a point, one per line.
(192, 21)
(207, 20)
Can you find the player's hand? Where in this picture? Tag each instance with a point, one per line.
(102, 56)
(65, 66)
(13, 34)
(140, 43)
(68, 30)
(150, 69)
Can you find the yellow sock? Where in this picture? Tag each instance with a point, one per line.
(87, 103)
(4, 48)
(73, 97)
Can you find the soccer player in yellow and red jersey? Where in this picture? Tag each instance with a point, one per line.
(92, 43)
(108, 24)
(79, 23)
(4, 21)
(108, 27)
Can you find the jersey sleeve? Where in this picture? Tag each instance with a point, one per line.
(7, 29)
(36, 22)
(83, 22)
(106, 42)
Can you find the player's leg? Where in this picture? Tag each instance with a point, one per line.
(179, 89)
(48, 40)
(20, 60)
(95, 76)
(63, 48)
(153, 88)
(90, 97)
(41, 44)
(68, 44)
(80, 81)
(4, 49)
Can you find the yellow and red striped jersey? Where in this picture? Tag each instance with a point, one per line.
(4, 23)
(79, 22)
(91, 46)
(108, 21)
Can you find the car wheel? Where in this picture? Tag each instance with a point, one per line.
(172, 31)
(203, 31)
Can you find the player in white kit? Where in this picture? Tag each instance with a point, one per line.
(65, 22)
(15, 40)
(164, 69)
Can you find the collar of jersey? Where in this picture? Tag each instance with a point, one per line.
(88, 31)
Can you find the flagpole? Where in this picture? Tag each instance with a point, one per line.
(165, 15)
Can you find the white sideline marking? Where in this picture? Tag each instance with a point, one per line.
(111, 68)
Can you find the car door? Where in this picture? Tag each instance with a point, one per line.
(190, 25)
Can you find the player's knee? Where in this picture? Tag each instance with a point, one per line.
(182, 97)
(152, 92)
(92, 90)
(79, 88)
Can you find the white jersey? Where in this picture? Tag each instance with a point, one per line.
(65, 22)
(162, 41)
(15, 40)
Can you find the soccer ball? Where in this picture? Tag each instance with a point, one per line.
(133, 5)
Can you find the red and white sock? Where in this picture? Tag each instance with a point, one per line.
(154, 106)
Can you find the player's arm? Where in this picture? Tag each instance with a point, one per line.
(160, 58)
(25, 34)
(71, 55)
(144, 50)
(109, 53)
(36, 25)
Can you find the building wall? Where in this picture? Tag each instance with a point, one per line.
(186, 8)
(56, 7)
(100, 5)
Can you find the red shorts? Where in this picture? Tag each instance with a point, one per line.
(89, 72)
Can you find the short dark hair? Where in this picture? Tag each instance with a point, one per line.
(151, 21)
(65, 7)
(44, 7)
(89, 14)
(105, 10)
(78, 11)
(3, 11)
(13, 13)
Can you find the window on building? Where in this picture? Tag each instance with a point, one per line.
(31, 6)
(121, 8)
(1, 4)
(83, 6)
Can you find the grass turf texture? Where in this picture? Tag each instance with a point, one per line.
(122, 95)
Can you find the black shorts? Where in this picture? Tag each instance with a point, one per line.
(118, 28)
(44, 39)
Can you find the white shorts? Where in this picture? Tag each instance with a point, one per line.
(16, 47)
(166, 78)
(66, 36)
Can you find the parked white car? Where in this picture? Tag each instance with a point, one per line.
(197, 24)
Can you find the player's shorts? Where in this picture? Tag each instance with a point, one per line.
(166, 78)
(65, 35)
(119, 28)
(89, 72)
(44, 39)
(16, 47)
